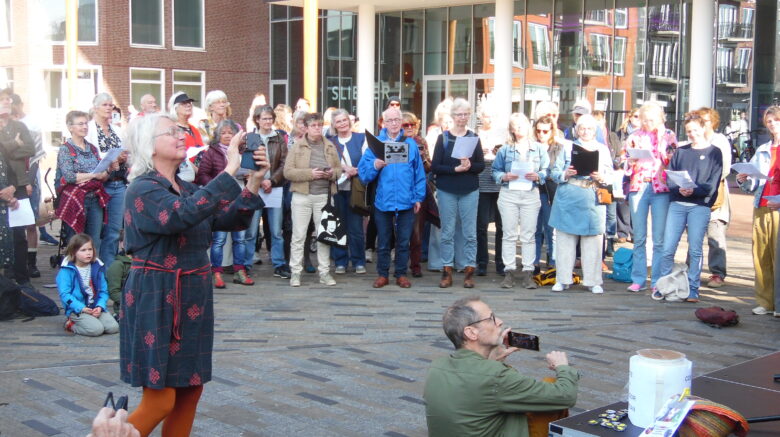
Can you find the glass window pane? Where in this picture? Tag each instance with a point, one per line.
(279, 41)
(87, 21)
(412, 53)
(567, 48)
(188, 23)
(146, 18)
(191, 82)
(278, 12)
(483, 38)
(435, 41)
(460, 40)
(187, 76)
(5, 22)
(389, 57)
(296, 61)
(279, 94)
(53, 13)
(138, 90)
(632, 78)
(149, 75)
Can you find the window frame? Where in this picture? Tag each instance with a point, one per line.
(623, 13)
(162, 27)
(601, 41)
(84, 43)
(202, 83)
(162, 102)
(549, 51)
(622, 62)
(10, 41)
(202, 30)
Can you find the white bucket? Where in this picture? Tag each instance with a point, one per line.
(655, 375)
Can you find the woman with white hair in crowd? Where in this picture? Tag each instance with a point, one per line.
(105, 137)
(577, 215)
(217, 109)
(519, 202)
(167, 311)
(457, 185)
(648, 192)
(180, 107)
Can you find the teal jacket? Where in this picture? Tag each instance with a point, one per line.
(469, 395)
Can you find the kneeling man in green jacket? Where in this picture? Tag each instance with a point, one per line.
(473, 393)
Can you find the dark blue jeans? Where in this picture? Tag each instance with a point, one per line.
(402, 221)
(544, 232)
(356, 240)
(109, 244)
(93, 225)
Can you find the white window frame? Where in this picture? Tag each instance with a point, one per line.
(202, 29)
(622, 61)
(162, 27)
(517, 49)
(202, 83)
(162, 103)
(10, 22)
(548, 53)
(624, 13)
(97, 31)
(589, 20)
(593, 40)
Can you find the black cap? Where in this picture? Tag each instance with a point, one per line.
(393, 99)
(183, 98)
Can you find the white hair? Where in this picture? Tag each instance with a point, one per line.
(460, 103)
(101, 98)
(214, 96)
(389, 110)
(518, 119)
(588, 121)
(139, 142)
(545, 107)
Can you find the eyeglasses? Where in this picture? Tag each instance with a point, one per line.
(461, 114)
(407, 125)
(392, 120)
(82, 124)
(266, 119)
(491, 317)
(543, 131)
(173, 131)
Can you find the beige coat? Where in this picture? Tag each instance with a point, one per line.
(298, 171)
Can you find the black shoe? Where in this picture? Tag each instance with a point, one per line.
(481, 271)
(32, 269)
(500, 270)
(281, 272)
(537, 270)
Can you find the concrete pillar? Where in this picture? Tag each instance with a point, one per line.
(365, 64)
(310, 55)
(502, 90)
(702, 42)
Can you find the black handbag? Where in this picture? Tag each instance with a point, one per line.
(330, 229)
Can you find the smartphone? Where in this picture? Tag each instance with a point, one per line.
(253, 142)
(120, 404)
(523, 341)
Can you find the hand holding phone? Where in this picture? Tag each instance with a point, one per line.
(522, 341)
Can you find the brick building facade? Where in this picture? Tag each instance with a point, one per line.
(115, 54)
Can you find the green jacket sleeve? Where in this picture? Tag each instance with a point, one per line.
(114, 278)
(521, 393)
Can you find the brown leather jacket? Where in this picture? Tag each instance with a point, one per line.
(277, 150)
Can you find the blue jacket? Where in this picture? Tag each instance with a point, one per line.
(72, 294)
(537, 154)
(400, 185)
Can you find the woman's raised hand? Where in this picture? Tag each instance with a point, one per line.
(233, 155)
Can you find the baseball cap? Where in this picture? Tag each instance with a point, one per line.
(183, 98)
(581, 107)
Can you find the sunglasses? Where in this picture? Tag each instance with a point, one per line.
(543, 131)
(407, 125)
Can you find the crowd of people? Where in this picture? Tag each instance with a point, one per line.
(176, 185)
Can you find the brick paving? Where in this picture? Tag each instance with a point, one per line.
(351, 360)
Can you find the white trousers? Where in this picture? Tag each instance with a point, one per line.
(519, 208)
(304, 208)
(590, 257)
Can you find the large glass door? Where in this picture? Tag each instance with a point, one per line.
(438, 88)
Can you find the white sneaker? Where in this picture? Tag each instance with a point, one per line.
(560, 287)
(327, 279)
(340, 270)
(295, 280)
(760, 311)
(596, 289)
(369, 256)
(360, 270)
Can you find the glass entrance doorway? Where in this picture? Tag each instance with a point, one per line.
(471, 87)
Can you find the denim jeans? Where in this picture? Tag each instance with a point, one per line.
(657, 204)
(623, 216)
(93, 225)
(544, 232)
(487, 213)
(277, 241)
(109, 243)
(694, 218)
(386, 222)
(356, 241)
(239, 239)
(451, 208)
(611, 226)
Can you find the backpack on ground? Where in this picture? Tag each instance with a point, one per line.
(35, 304)
(673, 287)
(9, 298)
(548, 278)
(622, 263)
(717, 317)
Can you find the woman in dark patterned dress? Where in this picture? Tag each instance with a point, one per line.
(167, 315)
(6, 199)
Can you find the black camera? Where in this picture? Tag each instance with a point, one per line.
(253, 142)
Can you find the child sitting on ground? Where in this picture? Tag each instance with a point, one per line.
(83, 290)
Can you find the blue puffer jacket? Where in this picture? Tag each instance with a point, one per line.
(72, 294)
(400, 185)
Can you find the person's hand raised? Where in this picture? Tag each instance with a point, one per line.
(258, 176)
(233, 155)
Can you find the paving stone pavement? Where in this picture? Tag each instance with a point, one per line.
(351, 360)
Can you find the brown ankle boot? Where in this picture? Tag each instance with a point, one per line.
(468, 281)
(446, 278)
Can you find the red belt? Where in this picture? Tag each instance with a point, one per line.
(149, 265)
